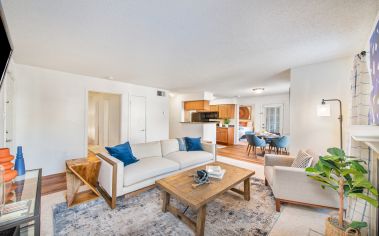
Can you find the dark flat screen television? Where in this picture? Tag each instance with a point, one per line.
(5, 51)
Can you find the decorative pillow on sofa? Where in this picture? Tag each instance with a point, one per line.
(315, 156)
(193, 144)
(123, 152)
(302, 160)
(182, 144)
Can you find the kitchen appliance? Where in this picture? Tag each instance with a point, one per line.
(203, 116)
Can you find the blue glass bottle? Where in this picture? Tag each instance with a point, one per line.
(19, 164)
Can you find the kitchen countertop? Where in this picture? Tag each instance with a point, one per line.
(189, 122)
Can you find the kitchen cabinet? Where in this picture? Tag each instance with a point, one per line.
(214, 107)
(226, 111)
(200, 105)
(225, 135)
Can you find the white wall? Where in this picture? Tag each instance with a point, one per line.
(258, 101)
(310, 84)
(51, 109)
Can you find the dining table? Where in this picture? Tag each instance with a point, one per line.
(269, 138)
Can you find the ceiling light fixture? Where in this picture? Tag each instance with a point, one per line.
(258, 90)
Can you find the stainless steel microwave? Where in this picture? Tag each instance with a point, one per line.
(203, 116)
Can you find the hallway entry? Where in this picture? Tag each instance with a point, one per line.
(104, 119)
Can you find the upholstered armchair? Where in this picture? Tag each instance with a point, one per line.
(292, 185)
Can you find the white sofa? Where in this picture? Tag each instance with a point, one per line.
(156, 160)
(292, 185)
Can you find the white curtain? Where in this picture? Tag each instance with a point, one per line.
(359, 115)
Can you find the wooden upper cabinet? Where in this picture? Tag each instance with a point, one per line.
(214, 107)
(200, 105)
(222, 111)
(231, 109)
(226, 111)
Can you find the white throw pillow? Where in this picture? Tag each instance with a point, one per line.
(302, 160)
(314, 155)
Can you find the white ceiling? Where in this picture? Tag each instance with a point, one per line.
(223, 46)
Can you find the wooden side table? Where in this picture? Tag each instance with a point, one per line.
(78, 172)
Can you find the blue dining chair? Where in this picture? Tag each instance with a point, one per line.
(255, 142)
(281, 144)
(247, 133)
(250, 143)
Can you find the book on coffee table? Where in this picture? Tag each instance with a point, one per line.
(215, 172)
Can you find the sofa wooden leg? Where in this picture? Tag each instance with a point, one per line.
(266, 183)
(277, 205)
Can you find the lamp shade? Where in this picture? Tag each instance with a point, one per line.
(323, 110)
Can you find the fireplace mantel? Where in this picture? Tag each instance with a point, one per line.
(367, 134)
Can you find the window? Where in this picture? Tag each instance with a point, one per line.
(272, 120)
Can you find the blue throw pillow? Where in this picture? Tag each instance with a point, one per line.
(193, 144)
(182, 144)
(123, 152)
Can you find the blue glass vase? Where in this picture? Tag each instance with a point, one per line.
(19, 164)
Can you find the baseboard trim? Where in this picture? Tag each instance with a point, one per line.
(280, 201)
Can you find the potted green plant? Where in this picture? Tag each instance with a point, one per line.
(345, 175)
(226, 122)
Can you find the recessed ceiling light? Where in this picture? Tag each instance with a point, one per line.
(258, 90)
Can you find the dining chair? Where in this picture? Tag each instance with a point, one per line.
(247, 133)
(257, 142)
(281, 144)
(250, 143)
(270, 142)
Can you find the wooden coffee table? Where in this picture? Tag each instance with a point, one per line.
(180, 187)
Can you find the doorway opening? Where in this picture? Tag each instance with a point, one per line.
(104, 119)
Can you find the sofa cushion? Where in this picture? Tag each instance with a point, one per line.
(269, 174)
(169, 146)
(143, 150)
(147, 168)
(186, 159)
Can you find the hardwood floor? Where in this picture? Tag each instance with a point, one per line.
(239, 152)
(53, 183)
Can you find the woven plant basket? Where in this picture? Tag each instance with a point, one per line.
(332, 229)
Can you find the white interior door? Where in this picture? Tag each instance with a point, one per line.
(137, 127)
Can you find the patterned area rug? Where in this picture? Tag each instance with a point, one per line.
(142, 215)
